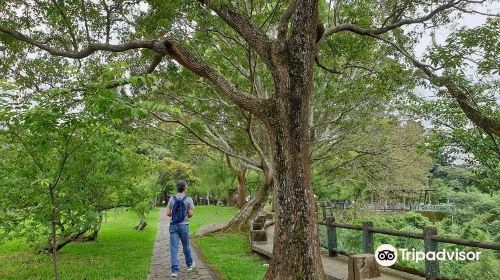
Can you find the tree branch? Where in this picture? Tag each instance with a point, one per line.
(28, 150)
(331, 70)
(183, 56)
(243, 26)
(377, 31)
(252, 139)
(91, 47)
(489, 125)
(251, 163)
(68, 24)
(194, 63)
(285, 19)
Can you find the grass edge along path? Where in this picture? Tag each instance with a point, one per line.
(119, 253)
(227, 254)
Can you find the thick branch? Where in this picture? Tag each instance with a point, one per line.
(194, 63)
(89, 50)
(489, 125)
(285, 19)
(167, 47)
(244, 26)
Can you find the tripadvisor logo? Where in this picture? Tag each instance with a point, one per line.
(387, 255)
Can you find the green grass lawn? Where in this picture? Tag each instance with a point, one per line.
(119, 253)
(228, 253)
(206, 215)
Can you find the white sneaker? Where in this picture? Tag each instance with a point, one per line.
(191, 267)
(174, 274)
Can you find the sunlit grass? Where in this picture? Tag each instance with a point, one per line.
(120, 252)
(228, 253)
(209, 214)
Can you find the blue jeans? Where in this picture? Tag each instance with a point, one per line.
(181, 232)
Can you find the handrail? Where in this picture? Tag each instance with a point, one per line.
(388, 207)
(442, 239)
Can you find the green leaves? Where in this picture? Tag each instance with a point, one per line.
(79, 146)
(478, 46)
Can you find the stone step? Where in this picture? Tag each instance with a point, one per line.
(258, 235)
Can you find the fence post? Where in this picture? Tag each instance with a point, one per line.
(367, 238)
(332, 236)
(323, 208)
(330, 208)
(431, 266)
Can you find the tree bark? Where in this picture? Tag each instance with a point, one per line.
(296, 231)
(54, 245)
(51, 248)
(242, 171)
(231, 200)
(241, 222)
(142, 223)
(296, 253)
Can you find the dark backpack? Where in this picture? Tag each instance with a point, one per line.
(179, 210)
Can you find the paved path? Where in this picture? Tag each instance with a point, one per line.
(160, 262)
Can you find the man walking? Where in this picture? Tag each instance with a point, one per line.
(180, 207)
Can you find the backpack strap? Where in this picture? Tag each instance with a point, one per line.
(184, 198)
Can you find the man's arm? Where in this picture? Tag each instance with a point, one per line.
(169, 208)
(190, 208)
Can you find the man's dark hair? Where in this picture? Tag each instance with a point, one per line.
(181, 186)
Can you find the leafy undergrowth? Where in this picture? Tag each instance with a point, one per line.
(119, 253)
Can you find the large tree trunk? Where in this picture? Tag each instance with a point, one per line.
(241, 222)
(231, 200)
(242, 172)
(296, 252)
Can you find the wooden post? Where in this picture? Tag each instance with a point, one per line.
(363, 266)
(332, 236)
(367, 238)
(331, 209)
(431, 266)
(323, 207)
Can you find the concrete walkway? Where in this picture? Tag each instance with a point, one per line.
(160, 261)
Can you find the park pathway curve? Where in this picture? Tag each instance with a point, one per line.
(160, 261)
